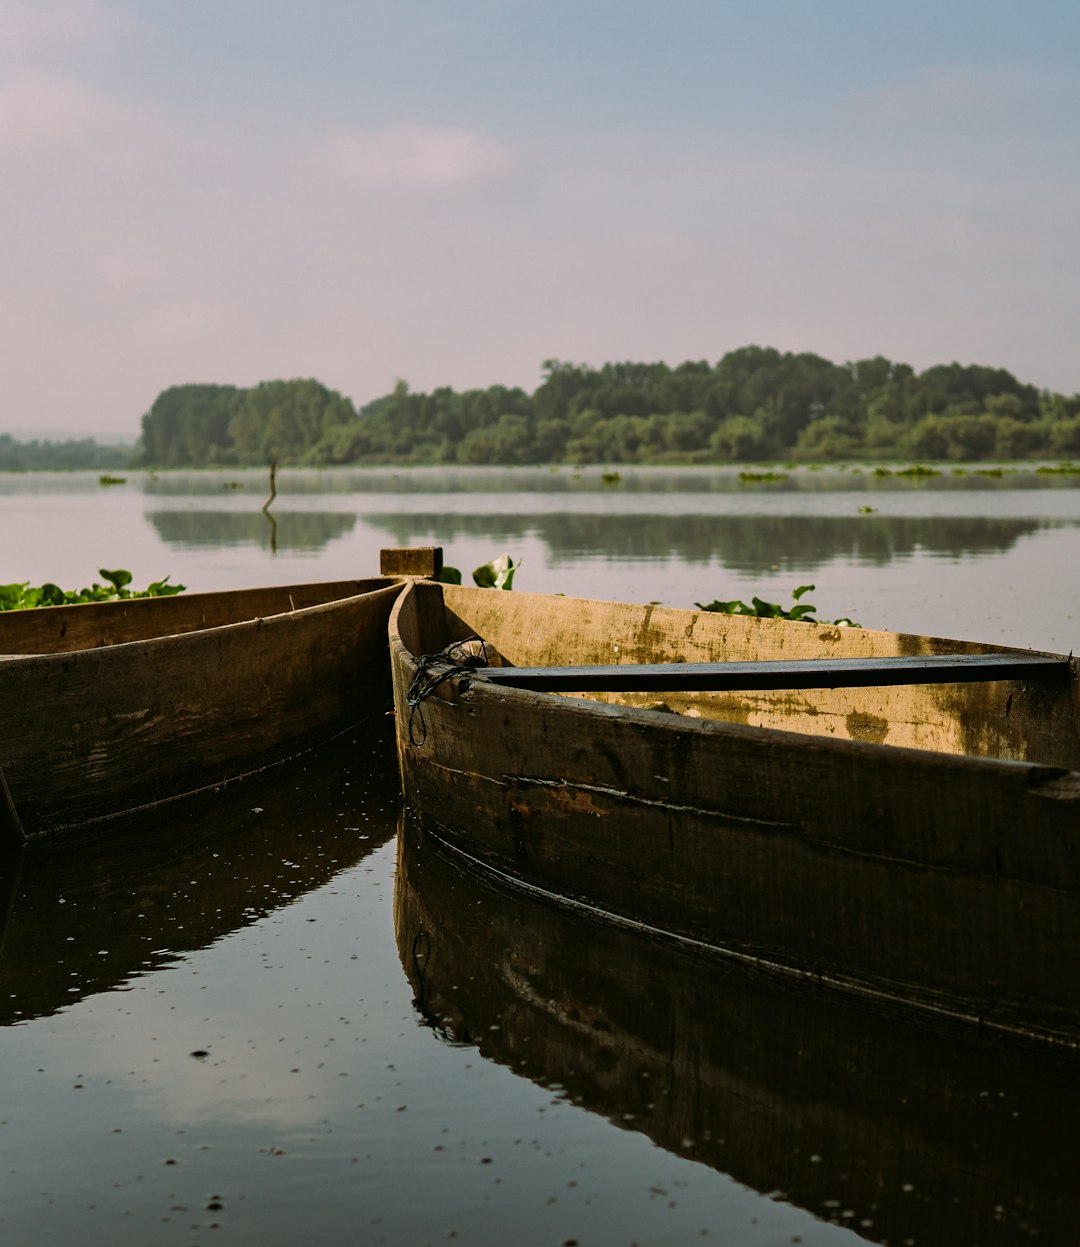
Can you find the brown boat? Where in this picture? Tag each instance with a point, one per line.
(113, 706)
(892, 815)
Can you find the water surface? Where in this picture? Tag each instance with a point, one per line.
(213, 1030)
(973, 555)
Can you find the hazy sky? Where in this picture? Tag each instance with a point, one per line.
(451, 191)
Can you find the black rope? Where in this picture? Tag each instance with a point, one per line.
(432, 670)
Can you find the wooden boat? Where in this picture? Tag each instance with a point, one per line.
(893, 815)
(113, 706)
(901, 1129)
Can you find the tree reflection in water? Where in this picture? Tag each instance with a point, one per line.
(748, 543)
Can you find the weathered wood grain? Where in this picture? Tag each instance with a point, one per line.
(411, 561)
(1023, 720)
(61, 629)
(115, 706)
(946, 877)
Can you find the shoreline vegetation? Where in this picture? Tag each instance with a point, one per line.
(755, 405)
(24, 596)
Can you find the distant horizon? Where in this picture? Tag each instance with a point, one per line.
(103, 438)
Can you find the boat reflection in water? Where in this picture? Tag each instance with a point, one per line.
(905, 1131)
(89, 912)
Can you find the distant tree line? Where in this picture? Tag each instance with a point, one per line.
(16, 456)
(755, 403)
(205, 425)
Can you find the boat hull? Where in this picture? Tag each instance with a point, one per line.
(950, 881)
(116, 706)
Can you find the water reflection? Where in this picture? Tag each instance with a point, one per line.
(284, 530)
(901, 1132)
(754, 543)
(745, 479)
(88, 913)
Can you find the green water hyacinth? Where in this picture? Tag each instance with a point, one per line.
(497, 574)
(23, 596)
(801, 612)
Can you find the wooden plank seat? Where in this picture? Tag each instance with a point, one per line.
(782, 674)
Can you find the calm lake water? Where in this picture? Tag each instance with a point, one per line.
(263, 1016)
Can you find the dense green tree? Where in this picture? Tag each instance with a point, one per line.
(282, 420)
(37, 455)
(1064, 437)
(831, 437)
(965, 389)
(189, 425)
(740, 438)
(753, 403)
(952, 436)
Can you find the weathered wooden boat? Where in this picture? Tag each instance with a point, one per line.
(113, 706)
(893, 815)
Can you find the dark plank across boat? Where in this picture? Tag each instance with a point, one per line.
(114, 706)
(914, 841)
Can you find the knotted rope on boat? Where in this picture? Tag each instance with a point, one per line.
(457, 659)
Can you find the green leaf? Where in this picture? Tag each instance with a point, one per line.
(51, 595)
(11, 596)
(734, 607)
(22, 597)
(118, 579)
(767, 610)
(804, 612)
(162, 588)
(498, 574)
(450, 576)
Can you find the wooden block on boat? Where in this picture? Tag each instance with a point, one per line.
(425, 561)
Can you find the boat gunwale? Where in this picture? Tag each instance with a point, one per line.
(468, 684)
(380, 585)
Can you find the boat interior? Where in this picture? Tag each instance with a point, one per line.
(1034, 719)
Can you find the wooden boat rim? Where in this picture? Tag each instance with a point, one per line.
(414, 584)
(376, 585)
(469, 683)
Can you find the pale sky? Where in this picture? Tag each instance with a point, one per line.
(452, 191)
